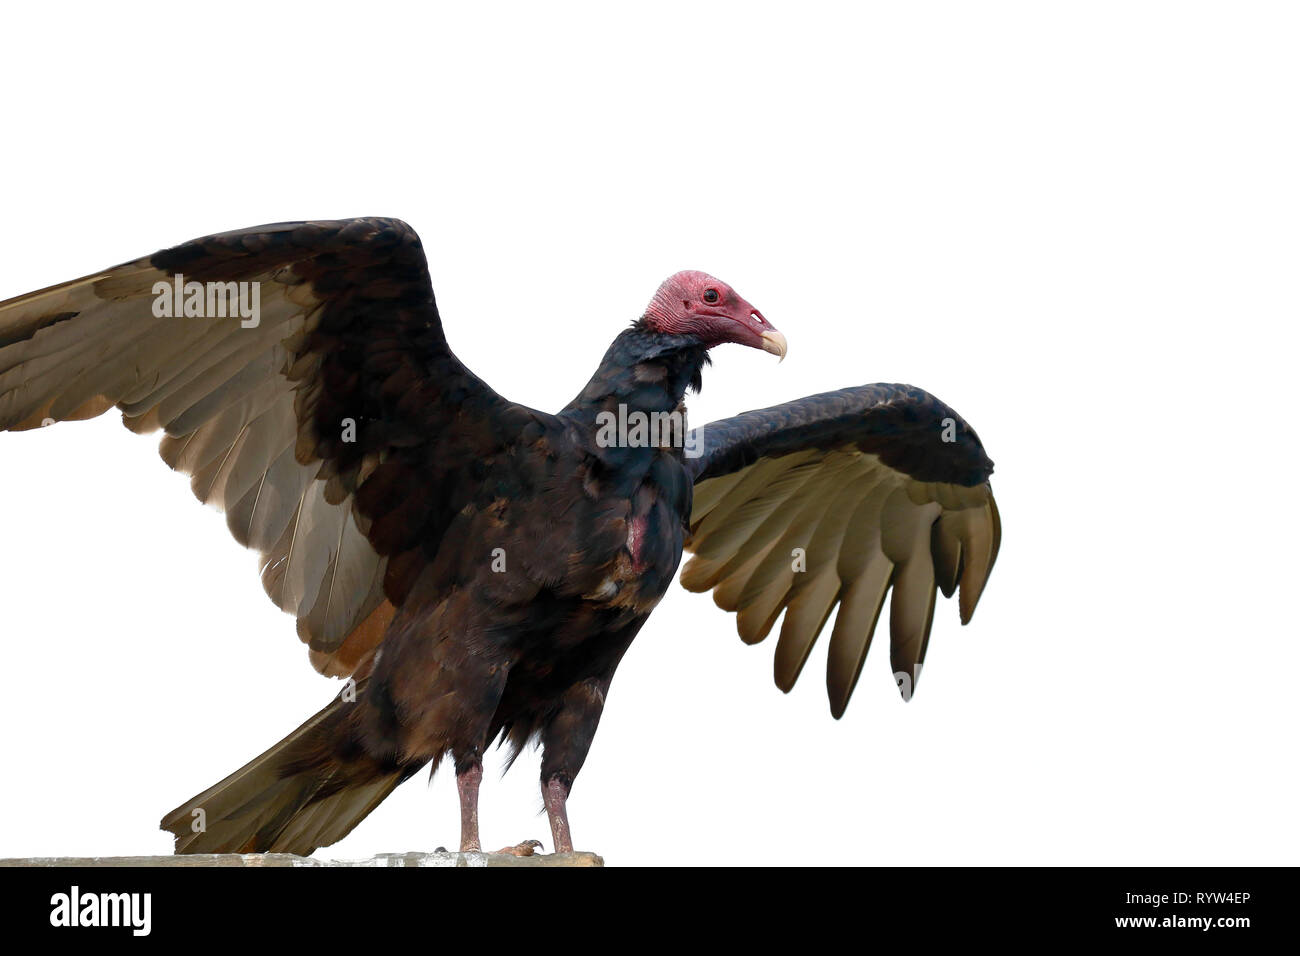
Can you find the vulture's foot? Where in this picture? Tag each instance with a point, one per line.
(527, 848)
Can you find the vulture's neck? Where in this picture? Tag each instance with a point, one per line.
(643, 370)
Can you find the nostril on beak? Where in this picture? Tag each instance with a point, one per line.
(757, 316)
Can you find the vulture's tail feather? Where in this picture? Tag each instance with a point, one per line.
(307, 791)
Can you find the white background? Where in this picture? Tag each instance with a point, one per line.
(1076, 223)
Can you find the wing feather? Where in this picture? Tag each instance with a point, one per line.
(805, 617)
(772, 583)
(979, 531)
(855, 623)
(728, 590)
(945, 545)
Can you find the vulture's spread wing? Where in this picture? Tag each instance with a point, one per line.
(332, 427)
(839, 498)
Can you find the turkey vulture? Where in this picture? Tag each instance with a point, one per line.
(474, 567)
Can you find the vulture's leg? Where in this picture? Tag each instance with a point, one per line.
(479, 678)
(565, 742)
(555, 794)
(468, 779)
(467, 784)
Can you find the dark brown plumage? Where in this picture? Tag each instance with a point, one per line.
(476, 567)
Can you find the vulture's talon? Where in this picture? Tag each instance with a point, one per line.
(527, 848)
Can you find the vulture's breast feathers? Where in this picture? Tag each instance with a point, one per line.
(634, 528)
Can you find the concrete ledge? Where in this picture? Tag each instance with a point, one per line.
(443, 858)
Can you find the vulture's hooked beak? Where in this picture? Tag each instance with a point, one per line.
(774, 342)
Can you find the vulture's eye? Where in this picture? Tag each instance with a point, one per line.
(710, 296)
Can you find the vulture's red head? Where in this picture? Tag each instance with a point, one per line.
(695, 303)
